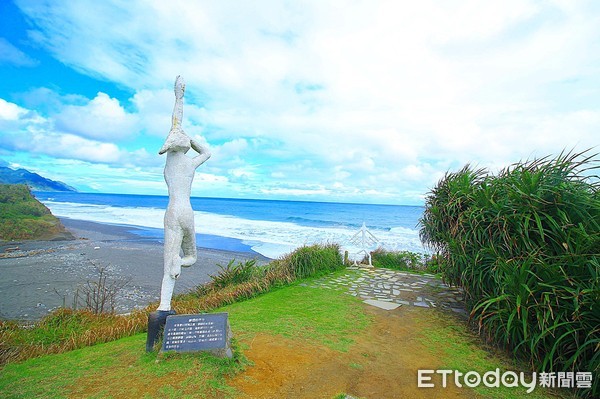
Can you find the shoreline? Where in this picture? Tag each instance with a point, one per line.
(40, 276)
(148, 234)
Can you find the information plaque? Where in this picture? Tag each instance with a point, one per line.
(198, 332)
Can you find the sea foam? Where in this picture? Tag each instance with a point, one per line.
(269, 238)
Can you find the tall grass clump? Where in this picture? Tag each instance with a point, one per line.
(64, 330)
(306, 261)
(314, 260)
(404, 260)
(525, 246)
(234, 273)
(243, 280)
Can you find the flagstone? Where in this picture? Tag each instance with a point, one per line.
(382, 305)
(388, 286)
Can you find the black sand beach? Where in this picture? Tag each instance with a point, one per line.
(36, 276)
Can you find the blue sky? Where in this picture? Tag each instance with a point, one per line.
(352, 101)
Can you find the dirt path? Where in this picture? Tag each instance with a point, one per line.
(382, 363)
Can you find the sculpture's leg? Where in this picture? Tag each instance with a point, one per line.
(172, 260)
(188, 245)
(172, 266)
(166, 292)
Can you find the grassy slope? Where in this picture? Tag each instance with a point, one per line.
(319, 316)
(328, 317)
(122, 369)
(24, 217)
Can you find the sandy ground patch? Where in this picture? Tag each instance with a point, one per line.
(382, 363)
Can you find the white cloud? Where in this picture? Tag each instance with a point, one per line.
(39, 140)
(10, 111)
(100, 176)
(11, 55)
(154, 108)
(27, 131)
(207, 177)
(283, 191)
(354, 96)
(234, 149)
(48, 101)
(102, 118)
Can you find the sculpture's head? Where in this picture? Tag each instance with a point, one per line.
(177, 140)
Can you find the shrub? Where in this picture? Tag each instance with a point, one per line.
(100, 296)
(435, 264)
(399, 260)
(314, 260)
(234, 273)
(304, 262)
(24, 217)
(525, 246)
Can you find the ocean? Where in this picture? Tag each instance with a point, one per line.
(269, 227)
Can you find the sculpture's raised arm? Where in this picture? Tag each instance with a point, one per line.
(178, 109)
(204, 153)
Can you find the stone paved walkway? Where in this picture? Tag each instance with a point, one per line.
(380, 286)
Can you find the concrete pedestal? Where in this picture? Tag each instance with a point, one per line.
(156, 322)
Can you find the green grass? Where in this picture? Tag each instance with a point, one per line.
(64, 330)
(460, 350)
(118, 369)
(58, 327)
(405, 261)
(322, 316)
(315, 316)
(314, 260)
(122, 368)
(356, 366)
(24, 217)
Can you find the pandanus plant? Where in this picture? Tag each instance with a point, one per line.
(524, 244)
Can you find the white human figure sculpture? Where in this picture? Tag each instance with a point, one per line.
(180, 235)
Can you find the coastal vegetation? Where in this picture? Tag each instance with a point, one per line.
(24, 217)
(524, 244)
(244, 280)
(405, 260)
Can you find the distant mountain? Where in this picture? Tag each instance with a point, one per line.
(33, 180)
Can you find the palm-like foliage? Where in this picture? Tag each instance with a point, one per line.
(525, 246)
